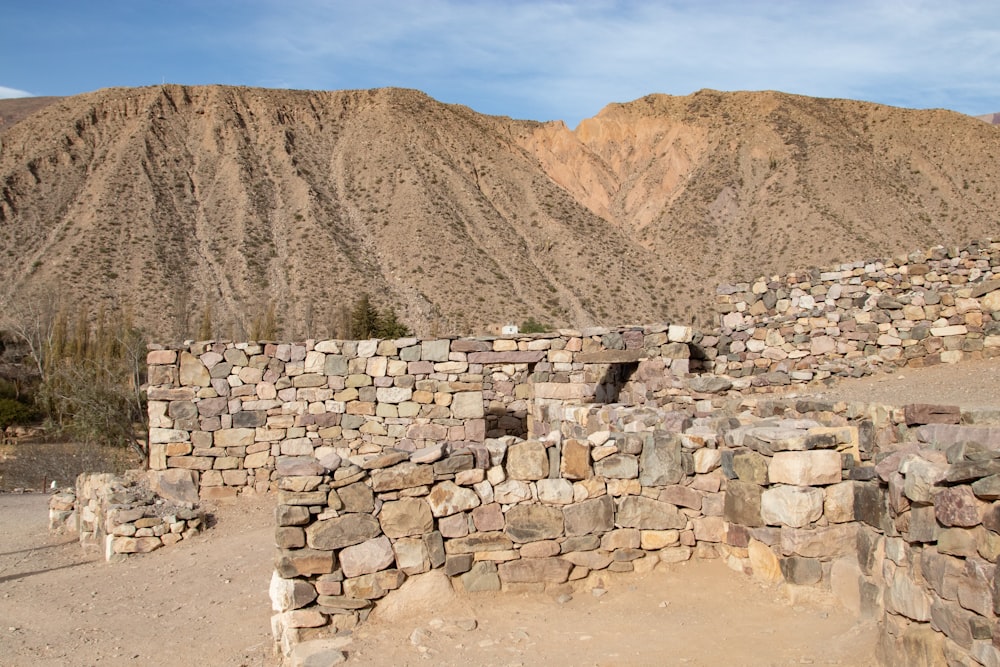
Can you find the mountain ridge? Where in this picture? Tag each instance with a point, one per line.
(170, 201)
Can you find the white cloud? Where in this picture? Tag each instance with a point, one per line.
(548, 59)
(7, 93)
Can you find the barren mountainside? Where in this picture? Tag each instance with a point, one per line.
(171, 201)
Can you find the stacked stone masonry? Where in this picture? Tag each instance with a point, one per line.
(939, 306)
(540, 462)
(233, 412)
(122, 515)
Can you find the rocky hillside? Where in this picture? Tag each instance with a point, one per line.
(175, 202)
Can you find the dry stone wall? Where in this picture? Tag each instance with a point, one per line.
(235, 413)
(924, 308)
(534, 462)
(541, 514)
(122, 515)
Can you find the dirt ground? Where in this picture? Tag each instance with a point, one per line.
(970, 384)
(204, 601)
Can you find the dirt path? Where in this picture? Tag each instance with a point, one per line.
(201, 602)
(695, 613)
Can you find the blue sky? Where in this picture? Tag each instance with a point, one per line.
(540, 60)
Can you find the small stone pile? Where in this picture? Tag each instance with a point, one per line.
(122, 515)
(62, 511)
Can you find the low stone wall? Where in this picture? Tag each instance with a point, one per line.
(624, 490)
(938, 306)
(231, 411)
(121, 515)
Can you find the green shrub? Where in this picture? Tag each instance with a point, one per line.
(531, 325)
(15, 412)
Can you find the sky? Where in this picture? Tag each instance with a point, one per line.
(538, 60)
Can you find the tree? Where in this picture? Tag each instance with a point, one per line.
(97, 398)
(39, 322)
(90, 378)
(265, 325)
(205, 327)
(364, 319)
(389, 325)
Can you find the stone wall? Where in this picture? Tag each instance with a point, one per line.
(229, 410)
(122, 515)
(234, 412)
(892, 517)
(924, 308)
(540, 462)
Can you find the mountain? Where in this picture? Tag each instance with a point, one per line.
(14, 109)
(173, 202)
(991, 118)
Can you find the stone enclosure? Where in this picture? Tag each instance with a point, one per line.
(538, 462)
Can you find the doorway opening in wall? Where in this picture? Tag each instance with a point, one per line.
(615, 378)
(505, 418)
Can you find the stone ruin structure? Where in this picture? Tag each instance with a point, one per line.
(532, 462)
(123, 515)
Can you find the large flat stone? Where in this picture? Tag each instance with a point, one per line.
(535, 570)
(467, 405)
(487, 541)
(648, 514)
(743, 503)
(405, 517)
(527, 461)
(342, 531)
(513, 357)
(808, 468)
(958, 506)
(820, 542)
(367, 557)
(177, 485)
(794, 506)
(447, 498)
(617, 466)
(925, 413)
(594, 516)
(302, 562)
(530, 523)
(661, 462)
(402, 476)
(481, 577)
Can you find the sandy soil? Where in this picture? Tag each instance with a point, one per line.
(204, 601)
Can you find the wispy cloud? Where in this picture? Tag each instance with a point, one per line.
(7, 93)
(566, 60)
